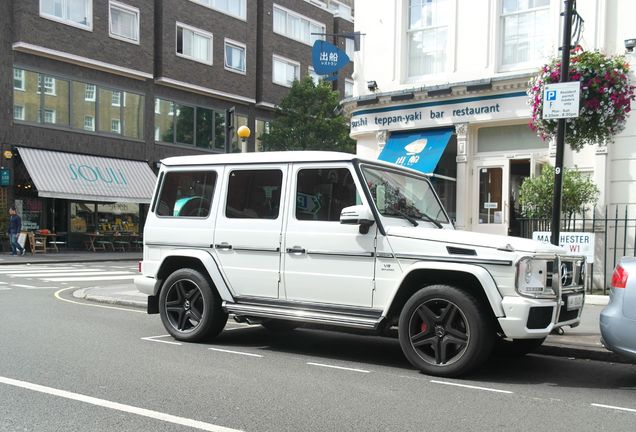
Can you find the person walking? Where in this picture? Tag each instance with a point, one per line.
(15, 226)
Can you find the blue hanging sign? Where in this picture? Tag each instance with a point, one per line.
(5, 177)
(327, 58)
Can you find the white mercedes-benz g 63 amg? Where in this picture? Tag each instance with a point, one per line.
(290, 238)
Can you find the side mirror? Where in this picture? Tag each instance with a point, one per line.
(357, 215)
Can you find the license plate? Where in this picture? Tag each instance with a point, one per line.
(574, 301)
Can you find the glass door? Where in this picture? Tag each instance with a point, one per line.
(490, 215)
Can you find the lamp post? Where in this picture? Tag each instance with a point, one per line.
(243, 133)
(560, 138)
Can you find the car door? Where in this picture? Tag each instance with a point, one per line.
(247, 239)
(325, 261)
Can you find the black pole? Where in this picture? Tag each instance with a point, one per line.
(560, 138)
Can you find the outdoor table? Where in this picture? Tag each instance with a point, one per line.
(97, 241)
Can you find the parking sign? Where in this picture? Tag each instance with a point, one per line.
(561, 100)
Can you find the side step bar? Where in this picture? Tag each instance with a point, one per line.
(302, 315)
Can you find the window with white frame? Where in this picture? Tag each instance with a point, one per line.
(524, 37)
(427, 36)
(157, 106)
(49, 116)
(89, 92)
(18, 79)
(89, 123)
(78, 13)
(18, 112)
(296, 26)
(234, 56)
(285, 71)
(235, 8)
(194, 44)
(348, 88)
(124, 22)
(314, 76)
(116, 98)
(115, 126)
(49, 84)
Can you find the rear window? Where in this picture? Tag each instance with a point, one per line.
(186, 194)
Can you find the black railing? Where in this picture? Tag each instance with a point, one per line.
(614, 227)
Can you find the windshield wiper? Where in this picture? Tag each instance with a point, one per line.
(400, 213)
(428, 218)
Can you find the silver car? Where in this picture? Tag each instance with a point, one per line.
(618, 318)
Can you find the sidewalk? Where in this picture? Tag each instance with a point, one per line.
(68, 257)
(581, 342)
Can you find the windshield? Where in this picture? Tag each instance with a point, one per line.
(403, 195)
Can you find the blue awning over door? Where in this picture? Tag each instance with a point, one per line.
(419, 150)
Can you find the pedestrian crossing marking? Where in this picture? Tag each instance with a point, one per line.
(74, 274)
(90, 278)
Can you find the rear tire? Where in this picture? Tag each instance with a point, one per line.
(190, 307)
(445, 331)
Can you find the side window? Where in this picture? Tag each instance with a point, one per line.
(254, 194)
(321, 194)
(186, 194)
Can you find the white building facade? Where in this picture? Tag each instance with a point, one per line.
(462, 67)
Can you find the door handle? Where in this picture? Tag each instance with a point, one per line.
(223, 246)
(296, 250)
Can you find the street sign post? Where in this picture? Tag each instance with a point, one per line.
(561, 100)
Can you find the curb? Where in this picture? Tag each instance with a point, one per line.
(598, 300)
(83, 294)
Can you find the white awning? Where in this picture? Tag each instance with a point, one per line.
(91, 178)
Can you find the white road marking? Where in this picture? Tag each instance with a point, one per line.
(22, 286)
(36, 270)
(5, 289)
(75, 273)
(614, 407)
(89, 278)
(168, 418)
(57, 296)
(44, 288)
(472, 387)
(338, 367)
(4, 283)
(154, 339)
(235, 352)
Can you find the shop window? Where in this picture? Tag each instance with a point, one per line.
(219, 130)
(321, 194)
(118, 217)
(31, 210)
(508, 138)
(83, 105)
(524, 39)
(490, 190)
(186, 194)
(427, 36)
(254, 194)
(83, 217)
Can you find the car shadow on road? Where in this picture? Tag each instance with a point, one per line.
(369, 351)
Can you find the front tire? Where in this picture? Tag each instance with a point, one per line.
(190, 307)
(445, 331)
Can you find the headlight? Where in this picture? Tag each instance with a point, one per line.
(532, 276)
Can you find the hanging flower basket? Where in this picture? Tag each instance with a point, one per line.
(606, 94)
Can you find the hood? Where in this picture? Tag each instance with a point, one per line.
(466, 238)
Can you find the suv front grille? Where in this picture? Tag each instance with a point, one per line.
(565, 273)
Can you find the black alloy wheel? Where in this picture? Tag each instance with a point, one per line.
(439, 332)
(190, 307)
(446, 331)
